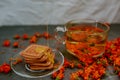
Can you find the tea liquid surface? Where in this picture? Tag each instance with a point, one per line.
(89, 40)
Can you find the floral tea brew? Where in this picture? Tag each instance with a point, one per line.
(84, 39)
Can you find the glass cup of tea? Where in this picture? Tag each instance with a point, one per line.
(85, 37)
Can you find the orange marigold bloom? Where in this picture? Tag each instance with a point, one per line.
(117, 61)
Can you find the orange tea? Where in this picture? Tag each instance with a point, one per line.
(85, 40)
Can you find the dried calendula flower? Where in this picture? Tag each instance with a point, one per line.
(6, 43)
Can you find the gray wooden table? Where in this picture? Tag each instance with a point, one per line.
(7, 32)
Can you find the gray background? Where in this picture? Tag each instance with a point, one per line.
(57, 11)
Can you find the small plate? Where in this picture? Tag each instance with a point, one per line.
(21, 69)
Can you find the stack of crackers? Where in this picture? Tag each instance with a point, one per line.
(38, 57)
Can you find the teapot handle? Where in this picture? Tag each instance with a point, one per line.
(60, 34)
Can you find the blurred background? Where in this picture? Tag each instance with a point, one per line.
(33, 12)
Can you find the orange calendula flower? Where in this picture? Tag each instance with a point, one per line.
(17, 36)
(6, 43)
(16, 44)
(117, 61)
(33, 39)
(74, 76)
